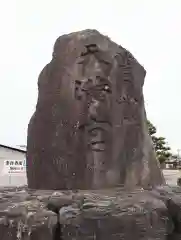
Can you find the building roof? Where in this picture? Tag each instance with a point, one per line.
(14, 148)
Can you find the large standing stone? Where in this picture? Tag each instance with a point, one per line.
(89, 128)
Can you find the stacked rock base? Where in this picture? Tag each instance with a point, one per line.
(103, 215)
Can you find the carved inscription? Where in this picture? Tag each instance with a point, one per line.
(95, 92)
(96, 88)
(127, 98)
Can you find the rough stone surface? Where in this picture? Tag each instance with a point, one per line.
(113, 214)
(25, 217)
(89, 129)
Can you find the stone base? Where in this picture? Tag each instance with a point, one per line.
(113, 214)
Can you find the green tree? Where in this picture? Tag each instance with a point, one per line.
(161, 148)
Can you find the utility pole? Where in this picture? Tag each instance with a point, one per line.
(178, 152)
(178, 157)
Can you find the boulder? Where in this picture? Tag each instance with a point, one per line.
(89, 129)
(118, 216)
(24, 217)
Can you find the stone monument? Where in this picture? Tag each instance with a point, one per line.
(89, 128)
(89, 134)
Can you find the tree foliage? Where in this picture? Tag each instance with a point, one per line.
(161, 148)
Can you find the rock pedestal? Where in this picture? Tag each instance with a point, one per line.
(113, 214)
(89, 128)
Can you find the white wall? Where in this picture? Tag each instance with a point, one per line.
(171, 176)
(13, 179)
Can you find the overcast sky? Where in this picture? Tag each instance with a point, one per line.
(150, 29)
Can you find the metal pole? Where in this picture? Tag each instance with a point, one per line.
(9, 179)
(178, 156)
(178, 150)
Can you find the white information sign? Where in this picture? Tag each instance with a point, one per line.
(14, 167)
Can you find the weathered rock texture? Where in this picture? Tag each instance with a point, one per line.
(113, 214)
(89, 129)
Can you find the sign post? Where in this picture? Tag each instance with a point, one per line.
(14, 168)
